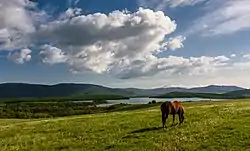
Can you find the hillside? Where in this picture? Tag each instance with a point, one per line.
(22, 90)
(245, 93)
(215, 89)
(199, 95)
(206, 89)
(207, 126)
(15, 90)
(157, 91)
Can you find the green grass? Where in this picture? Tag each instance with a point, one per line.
(208, 126)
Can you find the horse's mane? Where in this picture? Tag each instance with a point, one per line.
(177, 102)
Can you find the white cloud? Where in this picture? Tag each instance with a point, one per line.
(173, 65)
(242, 65)
(121, 44)
(247, 56)
(96, 42)
(233, 55)
(73, 2)
(19, 19)
(87, 30)
(175, 3)
(223, 17)
(162, 4)
(52, 55)
(124, 45)
(232, 74)
(116, 43)
(176, 43)
(20, 57)
(16, 23)
(70, 12)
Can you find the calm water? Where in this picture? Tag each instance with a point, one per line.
(146, 100)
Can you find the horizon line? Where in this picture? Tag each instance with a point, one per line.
(159, 87)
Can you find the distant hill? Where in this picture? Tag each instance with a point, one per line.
(199, 95)
(23, 90)
(150, 92)
(15, 90)
(206, 89)
(215, 89)
(245, 92)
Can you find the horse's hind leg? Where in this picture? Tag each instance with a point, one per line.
(164, 117)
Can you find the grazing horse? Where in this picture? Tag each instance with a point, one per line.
(172, 108)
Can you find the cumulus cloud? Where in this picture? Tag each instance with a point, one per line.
(20, 57)
(222, 17)
(123, 44)
(247, 56)
(232, 74)
(13, 30)
(108, 43)
(175, 43)
(172, 65)
(70, 12)
(87, 30)
(19, 19)
(52, 55)
(162, 4)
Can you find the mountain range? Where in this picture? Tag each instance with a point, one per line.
(20, 90)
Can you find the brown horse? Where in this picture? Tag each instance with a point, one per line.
(172, 108)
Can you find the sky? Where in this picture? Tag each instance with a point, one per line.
(126, 43)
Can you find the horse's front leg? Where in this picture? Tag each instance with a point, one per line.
(181, 118)
(173, 119)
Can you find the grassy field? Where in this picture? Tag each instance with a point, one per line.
(208, 126)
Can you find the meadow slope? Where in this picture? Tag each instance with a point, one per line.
(208, 126)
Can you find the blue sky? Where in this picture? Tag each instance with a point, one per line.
(126, 43)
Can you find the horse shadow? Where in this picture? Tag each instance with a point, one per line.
(149, 129)
(146, 130)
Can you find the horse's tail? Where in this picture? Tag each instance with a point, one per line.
(163, 108)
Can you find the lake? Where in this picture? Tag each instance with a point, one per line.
(147, 100)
